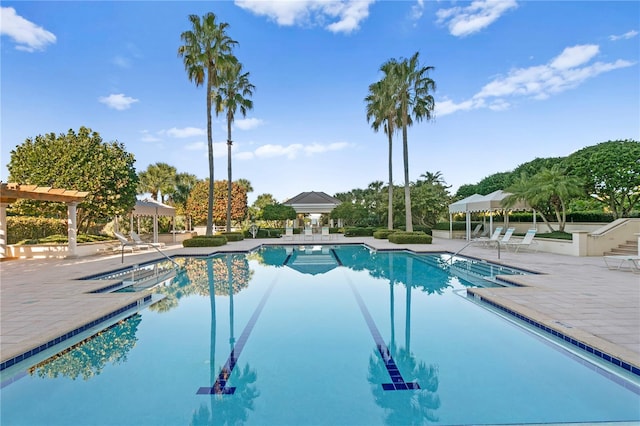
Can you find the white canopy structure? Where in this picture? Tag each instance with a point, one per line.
(485, 203)
(153, 208)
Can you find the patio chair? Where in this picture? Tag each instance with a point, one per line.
(525, 242)
(325, 233)
(506, 237)
(125, 243)
(308, 232)
(623, 262)
(476, 232)
(136, 239)
(288, 233)
(494, 237)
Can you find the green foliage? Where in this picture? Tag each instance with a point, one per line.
(278, 212)
(158, 179)
(410, 238)
(21, 228)
(352, 214)
(268, 233)
(611, 172)
(232, 236)
(557, 235)
(78, 161)
(63, 239)
(198, 201)
(457, 226)
(205, 241)
(359, 231)
(383, 234)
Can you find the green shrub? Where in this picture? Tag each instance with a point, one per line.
(359, 232)
(33, 228)
(268, 233)
(232, 236)
(383, 234)
(410, 238)
(205, 241)
(63, 239)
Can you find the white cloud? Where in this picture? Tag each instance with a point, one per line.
(27, 35)
(185, 132)
(248, 123)
(196, 146)
(566, 71)
(417, 9)
(345, 15)
(463, 21)
(625, 36)
(292, 151)
(148, 137)
(119, 101)
(122, 62)
(245, 155)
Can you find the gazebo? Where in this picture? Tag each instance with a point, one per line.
(153, 208)
(11, 192)
(313, 203)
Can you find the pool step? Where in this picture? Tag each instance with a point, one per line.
(627, 248)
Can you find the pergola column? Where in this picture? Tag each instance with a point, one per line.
(72, 229)
(3, 230)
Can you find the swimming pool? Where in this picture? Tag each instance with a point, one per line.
(303, 335)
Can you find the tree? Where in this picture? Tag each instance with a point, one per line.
(255, 211)
(206, 49)
(552, 186)
(351, 214)
(198, 202)
(382, 111)
(184, 184)
(246, 184)
(233, 93)
(410, 86)
(278, 212)
(430, 199)
(611, 174)
(159, 178)
(79, 161)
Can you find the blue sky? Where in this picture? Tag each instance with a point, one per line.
(515, 81)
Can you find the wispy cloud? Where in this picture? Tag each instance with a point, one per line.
(149, 137)
(291, 151)
(122, 62)
(463, 21)
(345, 15)
(566, 71)
(28, 36)
(118, 101)
(248, 123)
(185, 132)
(625, 36)
(417, 10)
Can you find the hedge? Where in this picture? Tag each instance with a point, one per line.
(359, 232)
(232, 236)
(21, 228)
(383, 234)
(205, 241)
(410, 238)
(64, 239)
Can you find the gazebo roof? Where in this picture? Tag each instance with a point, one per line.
(11, 192)
(150, 207)
(313, 202)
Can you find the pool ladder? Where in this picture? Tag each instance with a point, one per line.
(467, 245)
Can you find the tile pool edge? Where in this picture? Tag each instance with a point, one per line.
(589, 348)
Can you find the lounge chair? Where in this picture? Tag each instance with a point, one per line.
(325, 233)
(525, 242)
(125, 243)
(506, 237)
(476, 232)
(623, 262)
(288, 233)
(136, 239)
(494, 237)
(308, 232)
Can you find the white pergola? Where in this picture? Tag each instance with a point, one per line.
(313, 203)
(11, 192)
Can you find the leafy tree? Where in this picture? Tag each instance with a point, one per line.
(465, 191)
(382, 111)
(184, 184)
(255, 211)
(430, 199)
(494, 182)
(79, 161)
(611, 174)
(246, 184)
(206, 50)
(159, 178)
(552, 186)
(352, 214)
(278, 212)
(410, 86)
(233, 93)
(197, 203)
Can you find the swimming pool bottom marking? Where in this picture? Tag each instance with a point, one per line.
(385, 354)
(220, 385)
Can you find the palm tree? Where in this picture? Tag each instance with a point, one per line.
(381, 108)
(410, 85)
(233, 93)
(206, 49)
(159, 178)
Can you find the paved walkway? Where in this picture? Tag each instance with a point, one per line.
(578, 296)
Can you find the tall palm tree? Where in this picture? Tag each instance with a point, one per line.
(158, 179)
(411, 87)
(206, 49)
(233, 93)
(382, 113)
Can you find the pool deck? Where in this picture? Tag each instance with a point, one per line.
(42, 299)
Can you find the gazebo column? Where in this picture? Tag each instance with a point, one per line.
(72, 228)
(3, 230)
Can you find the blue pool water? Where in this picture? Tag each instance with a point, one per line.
(317, 336)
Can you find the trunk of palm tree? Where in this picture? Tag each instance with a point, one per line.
(209, 230)
(212, 336)
(407, 192)
(229, 143)
(390, 210)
